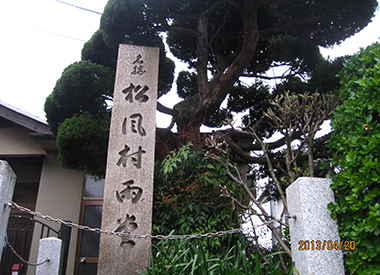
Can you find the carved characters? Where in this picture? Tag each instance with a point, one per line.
(130, 192)
(135, 121)
(139, 91)
(135, 157)
(127, 226)
(139, 68)
(132, 128)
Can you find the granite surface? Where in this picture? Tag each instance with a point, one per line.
(49, 248)
(313, 232)
(7, 185)
(128, 197)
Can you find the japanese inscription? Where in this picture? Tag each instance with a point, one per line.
(135, 157)
(138, 68)
(127, 226)
(128, 196)
(133, 94)
(135, 121)
(137, 93)
(130, 192)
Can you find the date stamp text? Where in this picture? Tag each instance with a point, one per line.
(326, 245)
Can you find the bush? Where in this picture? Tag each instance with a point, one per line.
(188, 201)
(356, 154)
(187, 198)
(82, 143)
(183, 257)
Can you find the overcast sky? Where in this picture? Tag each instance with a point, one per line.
(39, 38)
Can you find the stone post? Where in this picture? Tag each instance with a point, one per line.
(128, 194)
(316, 246)
(7, 185)
(49, 248)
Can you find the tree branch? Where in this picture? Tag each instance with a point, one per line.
(265, 217)
(215, 96)
(213, 7)
(177, 29)
(230, 134)
(166, 110)
(271, 170)
(202, 52)
(267, 77)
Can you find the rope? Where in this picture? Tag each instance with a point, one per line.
(137, 236)
(22, 259)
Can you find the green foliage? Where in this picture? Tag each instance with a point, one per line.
(187, 198)
(129, 22)
(187, 201)
(82, 143)
(256, 100)
(296, 45)
(300, 54)
(221, 51)
(186, 84)
(83, 87)
(123, 21)
(356, 144)
(78, 115)
(323, 79)
(96, 51)
(183, 257)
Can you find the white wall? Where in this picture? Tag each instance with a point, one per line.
(59, 196)
(16, 141)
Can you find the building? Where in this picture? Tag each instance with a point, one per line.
(45, 186)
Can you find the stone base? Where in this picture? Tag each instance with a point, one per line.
(313, 232)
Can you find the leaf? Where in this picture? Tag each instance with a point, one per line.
(355, 144)
(210, 166)
(376, 231)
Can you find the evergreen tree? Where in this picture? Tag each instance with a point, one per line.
(223, 41)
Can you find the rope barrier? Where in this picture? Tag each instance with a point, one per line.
(137, 236)
(22, 259)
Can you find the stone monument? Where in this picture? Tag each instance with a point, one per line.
(316, 246)
(51, 249)
(128, 195)
(7, 185)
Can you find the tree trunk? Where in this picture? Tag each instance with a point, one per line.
(197, 109)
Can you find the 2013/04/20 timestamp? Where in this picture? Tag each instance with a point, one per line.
(329, 245)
